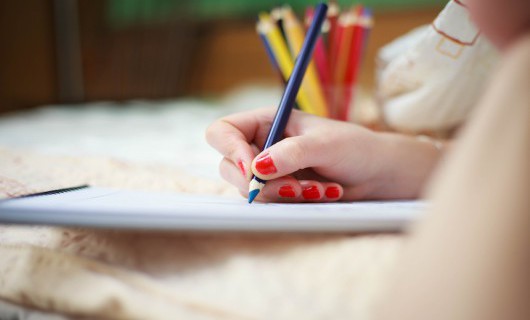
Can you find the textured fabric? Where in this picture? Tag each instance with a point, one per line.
(15, 312)
(430, 79)
(113, 274)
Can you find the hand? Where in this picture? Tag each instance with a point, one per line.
(319, 160)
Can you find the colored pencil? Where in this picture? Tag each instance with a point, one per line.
(328, 88)
(367, 23)
(277, 16)
(270, 55)
(282, 55)
(289, 96)
(339, 60)
(272, 59)
(332, 18)
(311, 83)
(333, 42)
(351, 70)
(320, 57)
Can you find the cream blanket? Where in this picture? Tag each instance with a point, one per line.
(109, 274)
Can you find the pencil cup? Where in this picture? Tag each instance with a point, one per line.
(341, 101)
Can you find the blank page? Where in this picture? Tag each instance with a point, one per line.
(113, 208)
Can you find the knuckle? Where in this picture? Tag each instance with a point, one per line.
(232, 154)
(211, 132)
(222, 169)
(296, 150)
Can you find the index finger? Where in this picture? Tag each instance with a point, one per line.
(232, 136)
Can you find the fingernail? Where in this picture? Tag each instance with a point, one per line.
(311, 192)
(286, 191)
(332, 192)
(241, 166)
(264, 164)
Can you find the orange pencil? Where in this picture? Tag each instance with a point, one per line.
(320, 57)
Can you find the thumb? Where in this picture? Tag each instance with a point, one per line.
(290, 155)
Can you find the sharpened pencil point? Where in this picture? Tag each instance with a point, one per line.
(252, 195)
(254, 188)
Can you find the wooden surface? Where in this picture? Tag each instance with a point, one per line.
(27, 61)
(152, 62)
(232, 54)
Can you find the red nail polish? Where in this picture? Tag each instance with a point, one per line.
(241, 166)
(286, 191)
(311, 193)
(264, 164)
(332, 192)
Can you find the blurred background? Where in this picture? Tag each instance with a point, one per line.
(70, 51)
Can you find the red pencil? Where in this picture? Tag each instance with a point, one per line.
(320, 56)
(357, 48)
(339, 60)
(332, 18)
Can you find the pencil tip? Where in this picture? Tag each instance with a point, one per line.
(252, 195)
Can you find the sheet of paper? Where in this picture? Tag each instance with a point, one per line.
(111, 208)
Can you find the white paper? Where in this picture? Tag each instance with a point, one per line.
(112, 208)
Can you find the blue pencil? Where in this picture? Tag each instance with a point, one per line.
(291, 90)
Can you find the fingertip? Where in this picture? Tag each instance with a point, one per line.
(284, 189)
(312, 191)
(289, 155)
(231, 142)
(263, 166)
(230, 172)
(332, 191)
(243, 193)
(209, 133)
(244, 169)
(287, 191)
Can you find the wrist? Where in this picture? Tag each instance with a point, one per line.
(408, 163)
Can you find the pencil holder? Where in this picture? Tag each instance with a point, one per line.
(340, 101)
(329, 87)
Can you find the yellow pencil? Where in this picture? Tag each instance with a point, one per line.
(295, 37)
(285, 62)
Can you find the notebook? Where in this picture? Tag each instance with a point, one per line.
(124, 209)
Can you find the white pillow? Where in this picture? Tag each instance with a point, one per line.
(429, 79)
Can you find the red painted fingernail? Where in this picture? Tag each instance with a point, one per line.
(264, 164)
(311, 193)
(286, 191)
(332, 192)
(241, 166)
